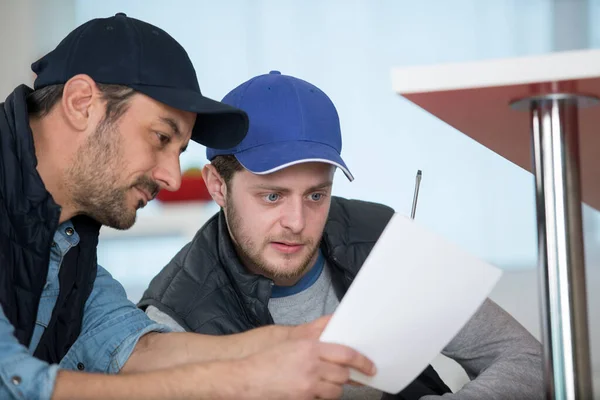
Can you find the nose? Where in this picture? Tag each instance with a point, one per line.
(292, 215)
(168, 173)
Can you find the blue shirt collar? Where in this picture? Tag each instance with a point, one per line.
(65, 237)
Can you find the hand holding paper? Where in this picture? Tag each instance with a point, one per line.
(411, 297)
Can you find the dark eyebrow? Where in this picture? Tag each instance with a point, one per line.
(323, 185)
(271, 188)
(175, 128)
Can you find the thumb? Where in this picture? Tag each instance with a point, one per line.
(319, 324)
(310, 330)
(316, 327)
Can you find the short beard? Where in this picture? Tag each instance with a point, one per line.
(249, 252)
(92, 178)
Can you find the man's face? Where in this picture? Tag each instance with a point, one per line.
(276, 221)
(122, 165)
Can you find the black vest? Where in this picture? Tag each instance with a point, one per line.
(207, 290)
(28, 220)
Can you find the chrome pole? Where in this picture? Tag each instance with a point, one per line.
(555, 133)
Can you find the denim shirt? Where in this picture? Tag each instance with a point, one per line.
(111, 328)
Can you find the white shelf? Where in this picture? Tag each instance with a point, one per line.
(182, 219)
(551, 67)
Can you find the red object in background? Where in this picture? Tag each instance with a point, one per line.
(192, 189)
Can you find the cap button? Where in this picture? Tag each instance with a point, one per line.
(275, 73)
(120, 14)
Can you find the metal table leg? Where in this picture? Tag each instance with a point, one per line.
(560, 244)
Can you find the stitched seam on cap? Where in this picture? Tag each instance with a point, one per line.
(138, 78)
(301, 109)
(245, 90)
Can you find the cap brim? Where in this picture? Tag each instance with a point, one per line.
(218, 125)
(273, 157)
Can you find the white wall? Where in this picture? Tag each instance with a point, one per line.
(28, 29)
(17, 50)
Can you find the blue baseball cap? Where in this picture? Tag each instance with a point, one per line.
(291, 122)
(125, 51)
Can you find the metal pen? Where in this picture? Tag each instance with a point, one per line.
(416, 196)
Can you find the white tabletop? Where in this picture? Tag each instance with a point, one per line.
(550, 67)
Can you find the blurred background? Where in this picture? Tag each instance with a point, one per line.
(347, 48)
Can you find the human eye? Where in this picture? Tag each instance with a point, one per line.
(163, 139)
(271, 197)
(317, 196)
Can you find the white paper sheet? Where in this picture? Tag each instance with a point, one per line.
(414, 293)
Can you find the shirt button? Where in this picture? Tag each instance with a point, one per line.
(69, 231)
(80, 366)
(16, 380)
(53, 244)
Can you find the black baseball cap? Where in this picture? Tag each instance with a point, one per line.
(129, 52)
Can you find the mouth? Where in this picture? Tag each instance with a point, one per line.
(287, 247)
(146, 196)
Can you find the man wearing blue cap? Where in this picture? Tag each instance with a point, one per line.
(112, 108)
(283, 250)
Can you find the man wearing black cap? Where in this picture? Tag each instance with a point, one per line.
(112, 108)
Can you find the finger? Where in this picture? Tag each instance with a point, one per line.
(322, 321)
(334, 373)
(328, 390)
(310, 330)
(345, 356)
(318, 325)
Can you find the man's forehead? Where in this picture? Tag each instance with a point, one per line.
(288, 183)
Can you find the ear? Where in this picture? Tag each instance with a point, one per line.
(215, 184)
(80, 103)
